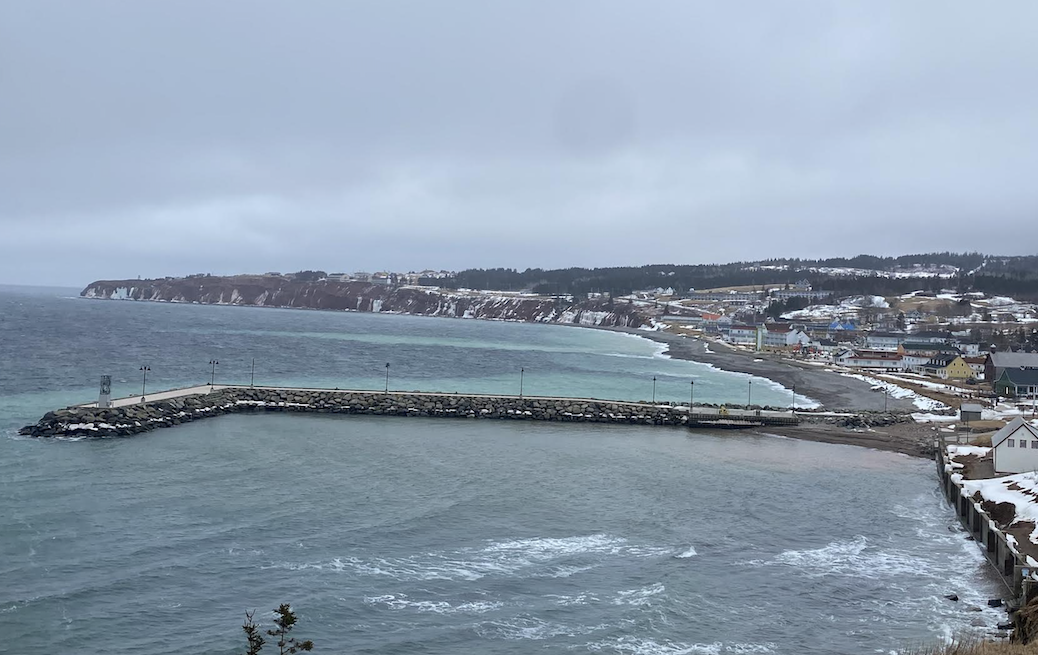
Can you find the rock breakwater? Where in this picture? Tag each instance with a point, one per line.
(130, 419)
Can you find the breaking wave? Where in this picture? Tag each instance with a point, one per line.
(639, 646)
(534, 557)
(854, 558)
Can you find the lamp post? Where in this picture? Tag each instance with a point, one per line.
(252, 381)
(212, 379)
(749, 393)
(886, 394)
(387, 377)
(144, 383)
(654, 389)
(521, 372)
(691, 397)
(794, 398)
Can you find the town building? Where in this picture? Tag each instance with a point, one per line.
(1017, 383)
(970, 412)
(930, 337)
(786, 294)
(872, 359)
(969, 349)
(885, 340)
(976, 364)
(784, 336)
(1015, 447)
(725, 296)
(747, 335)
(949, 367)
(999, 361)
(927, 350)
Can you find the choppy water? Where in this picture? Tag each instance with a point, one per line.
(396, 535)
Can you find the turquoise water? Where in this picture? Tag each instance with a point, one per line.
(58, 345)
(406, 535)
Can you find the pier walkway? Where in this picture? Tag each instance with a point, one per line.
(705, 416)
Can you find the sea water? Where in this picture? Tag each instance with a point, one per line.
(405, 535)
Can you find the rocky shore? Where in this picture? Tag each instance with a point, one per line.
(331, 295)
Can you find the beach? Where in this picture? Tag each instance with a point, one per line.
(835, 392)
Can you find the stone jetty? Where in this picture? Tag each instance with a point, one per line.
(133, 416)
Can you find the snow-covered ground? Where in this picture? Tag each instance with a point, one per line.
(846, 306)
(1020, 490)
(922, 402)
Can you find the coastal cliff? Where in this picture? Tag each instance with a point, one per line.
(286, 292)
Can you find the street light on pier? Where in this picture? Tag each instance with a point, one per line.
(794, 398)
(387, 377)
(654, 389)
(212, 379)
(521, 372)
(252, 382)
(144, 383)
(691, 397)
(749, 393)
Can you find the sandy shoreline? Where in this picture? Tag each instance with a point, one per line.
(834, 391)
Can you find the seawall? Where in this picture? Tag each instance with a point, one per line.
(173, 408)
(1006, 560)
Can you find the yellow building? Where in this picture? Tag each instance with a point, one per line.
(949, 367)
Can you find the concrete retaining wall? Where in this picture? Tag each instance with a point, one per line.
(1010, 566)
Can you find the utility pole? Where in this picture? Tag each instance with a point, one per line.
(144, 383)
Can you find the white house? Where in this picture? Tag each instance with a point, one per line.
(873, 359)
(913, 362)
(885, 340)
(784, 336)
(747, 335)
(1016, 447)
(970, 349)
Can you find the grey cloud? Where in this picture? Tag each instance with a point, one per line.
(172, 137)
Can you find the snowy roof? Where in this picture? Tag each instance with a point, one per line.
(1012, 428)
(1014, 360)
(929, 346)
(971, 407)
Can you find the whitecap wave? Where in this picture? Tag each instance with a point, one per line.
(530, 627)
(402, 602)
(640, 596)
(687, 553)
(644, 646)
(540, 556)
(853, 558)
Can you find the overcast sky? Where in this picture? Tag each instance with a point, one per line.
(164, 138)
